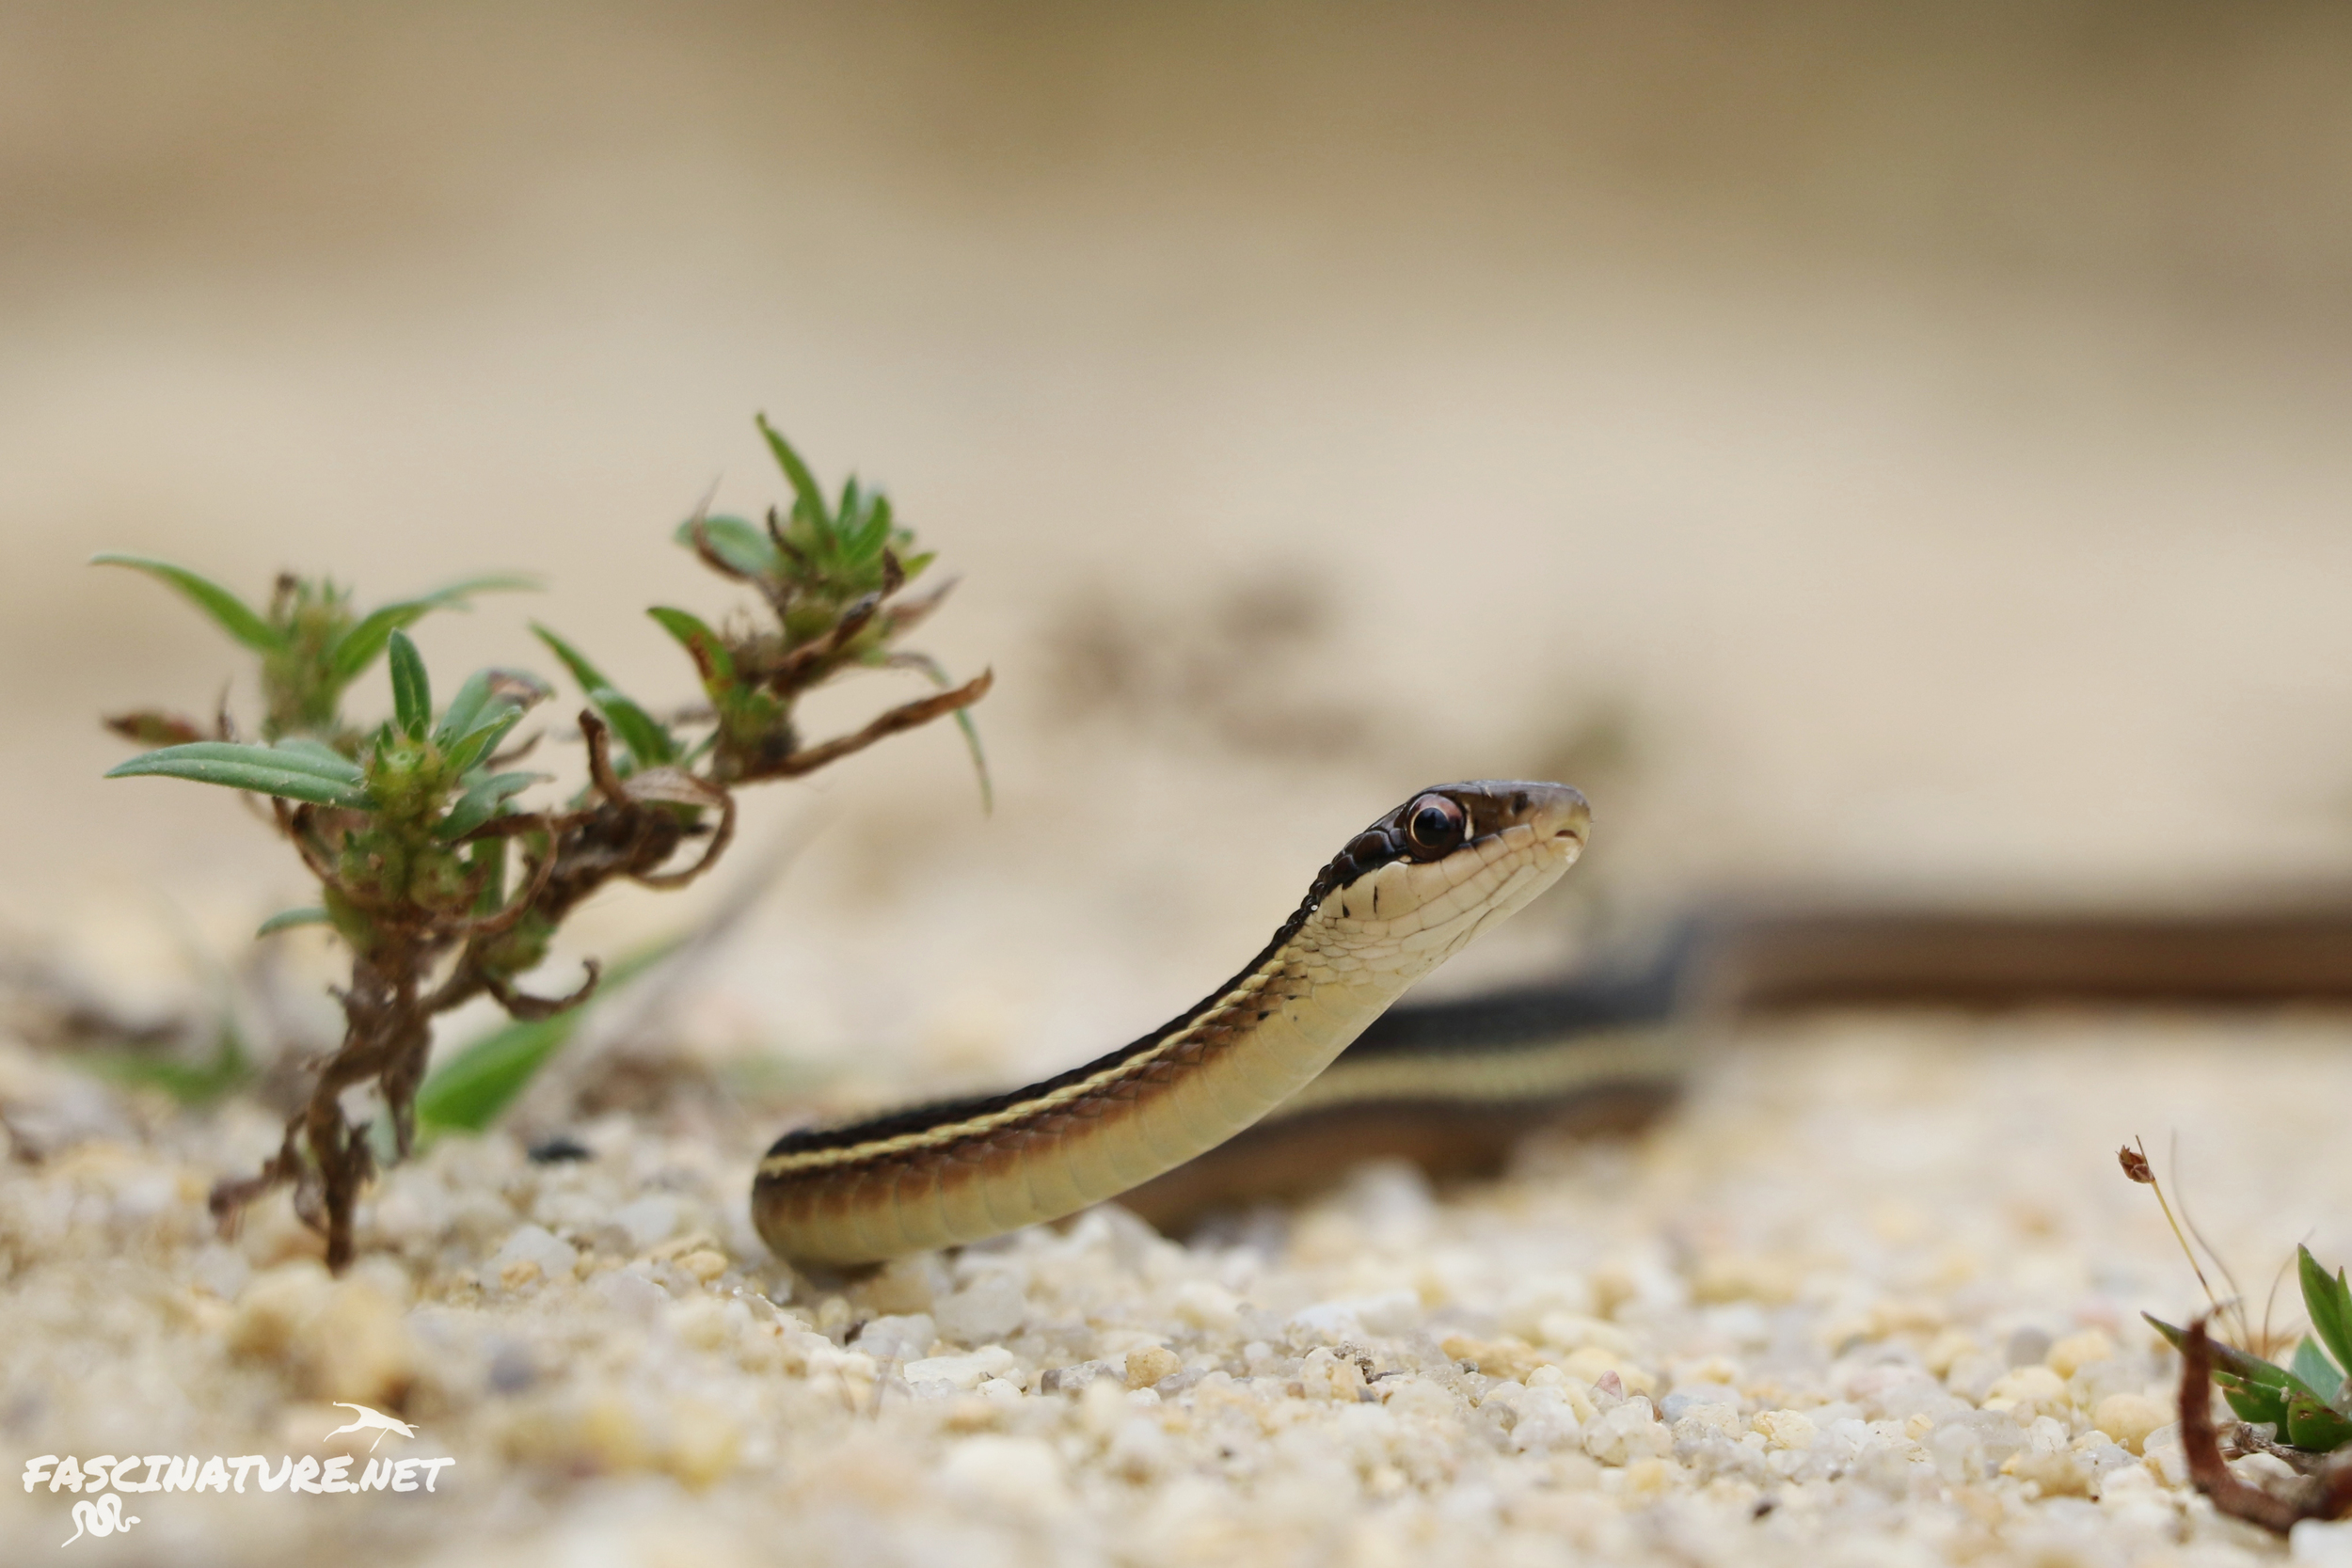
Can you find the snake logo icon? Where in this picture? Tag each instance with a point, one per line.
(103, 1517)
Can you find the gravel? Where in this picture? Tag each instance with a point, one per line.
(1871, 1297)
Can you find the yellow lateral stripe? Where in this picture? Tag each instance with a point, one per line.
(931, 1137)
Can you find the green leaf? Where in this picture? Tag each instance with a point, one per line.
(296, 774)
(489, 860)
(328, 760)
(587, 674)
(480, 803)
(2312, 1368)
(649, 743)
(710, 654)
(467, 1092)
(189, 1083)
(980, 762)
(2257, 1390)
(483, 738)
(2256, 1404)
(2311, 1424)
(484, 712)
(412, 692)
(2328, 1302)
(232, 614)
(463, 709)
(2261, 1392)
(872, 533)
(357, 648)
(939, 677)
(741, 544)
(285, 920)
(2228, 1360)
(806, 495)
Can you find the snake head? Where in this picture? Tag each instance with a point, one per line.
(1454, 859)
(1444, 818)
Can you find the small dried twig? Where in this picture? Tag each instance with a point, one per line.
(2236, 1302)
(2137, 1167)
(2246, 1437)
(905, 716)
(529, 1009)
(2323, 1496)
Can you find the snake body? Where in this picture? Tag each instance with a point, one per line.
(1406, 893)
(1298, 1066)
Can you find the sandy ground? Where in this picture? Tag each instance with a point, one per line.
(1872, 1296)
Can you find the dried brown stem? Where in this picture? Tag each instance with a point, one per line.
(600, 773)
(2325, 1496)
(905, 716)
(718, 842)
(530, 1010)
(504, 918)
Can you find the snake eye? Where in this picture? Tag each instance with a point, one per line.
(1434, 824)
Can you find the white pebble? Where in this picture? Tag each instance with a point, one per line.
(961, 1371)
(1627, 1433)
(1683, 1400)
(533, 1244)
(631, 1292)
(2321, 1544)
(1327, 1323)
(1019, 1475)
(898, 1339)
(221, 1270)
(983, 1312)
(650, 1219)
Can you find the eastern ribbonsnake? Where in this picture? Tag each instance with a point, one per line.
(1405, 894)
(1289, 1072)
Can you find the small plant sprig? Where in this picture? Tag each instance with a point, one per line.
(2302, 1412)
(410, 826)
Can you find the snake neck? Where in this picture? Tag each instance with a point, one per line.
(962, 1170)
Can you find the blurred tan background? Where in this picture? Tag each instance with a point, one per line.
(1897, 448)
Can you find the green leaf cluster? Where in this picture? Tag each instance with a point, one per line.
(408, 825)
(820, 556)
(2309, 1400)
(827, 570)
(419, 790)
(314, 642)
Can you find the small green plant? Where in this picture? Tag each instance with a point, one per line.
(440, 880)
(2300, 1411)
(2306, 1402)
